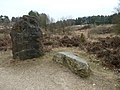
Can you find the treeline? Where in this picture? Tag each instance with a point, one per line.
(47, 22)
(96, 20)
(100, 19)
(43, 18)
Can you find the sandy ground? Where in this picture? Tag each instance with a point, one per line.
(44, 74)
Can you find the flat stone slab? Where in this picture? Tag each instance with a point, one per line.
(76, 64)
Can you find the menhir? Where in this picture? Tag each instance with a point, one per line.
(27, 38)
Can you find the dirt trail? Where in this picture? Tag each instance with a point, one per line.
(44, 74)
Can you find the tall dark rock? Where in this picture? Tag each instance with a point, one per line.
(27, 38)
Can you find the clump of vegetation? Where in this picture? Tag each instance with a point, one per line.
(5, 43)
(64, 41)
(74, 41)
(101, 30)
(108, 49)
(82, 38)
(116, 20)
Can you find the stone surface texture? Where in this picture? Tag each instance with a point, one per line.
(76, 64)
(27, 38)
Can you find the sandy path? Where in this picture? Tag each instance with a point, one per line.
(44, 74)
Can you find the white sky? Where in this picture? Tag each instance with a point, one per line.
(58, 8)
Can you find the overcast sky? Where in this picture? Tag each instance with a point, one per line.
(58, 8)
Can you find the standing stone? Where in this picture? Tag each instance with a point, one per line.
(26, 38)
